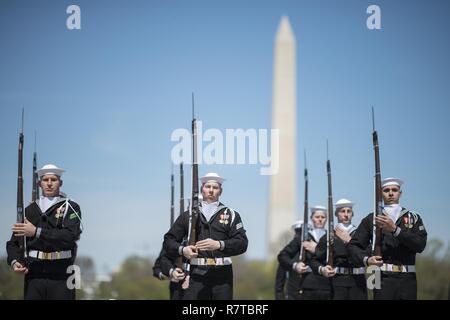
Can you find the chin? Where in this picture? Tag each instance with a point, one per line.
(50, 195)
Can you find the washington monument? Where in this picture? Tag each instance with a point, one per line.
(282, 198)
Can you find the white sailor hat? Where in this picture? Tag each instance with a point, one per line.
(391, 182)
(342, 203)
(318, 208)
(211, 176)
(297, 224)
(50, 169)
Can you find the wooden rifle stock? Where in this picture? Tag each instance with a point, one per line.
(376, 248)
(194, 208)
(194, 203)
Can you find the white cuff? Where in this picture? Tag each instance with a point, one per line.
(13, 262)
(397, 231)
(38, 233)
(320, 270)
(180, 250)
(222, 245)
(365, 261)
(294, 265)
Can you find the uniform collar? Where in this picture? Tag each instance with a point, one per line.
(394, 211)
(218, 206)
(47, 203)
(317, 233)
(206, 204)
(349, 228)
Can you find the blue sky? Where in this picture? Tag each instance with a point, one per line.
(105, 100)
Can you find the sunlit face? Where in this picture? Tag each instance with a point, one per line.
(50, 185)
(211, 191)
(345, 215)
(318, 219)
(391, 194)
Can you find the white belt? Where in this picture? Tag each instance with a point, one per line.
(344, 270)
(397, 268)
(58, 255)
(211, 261)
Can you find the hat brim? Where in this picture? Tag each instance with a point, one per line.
(347, 205)
(45, 172)
(219, 181)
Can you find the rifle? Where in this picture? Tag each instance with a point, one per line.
(20, 218)
(179, 260)
(35, 187)
(194, 203)
(376, 243)
(181, 188)
(194, 207)
(172, 194)
(305, 217)
(330, 234)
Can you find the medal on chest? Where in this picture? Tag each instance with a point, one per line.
(60, 212)
(224, 218)
(407, 221)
